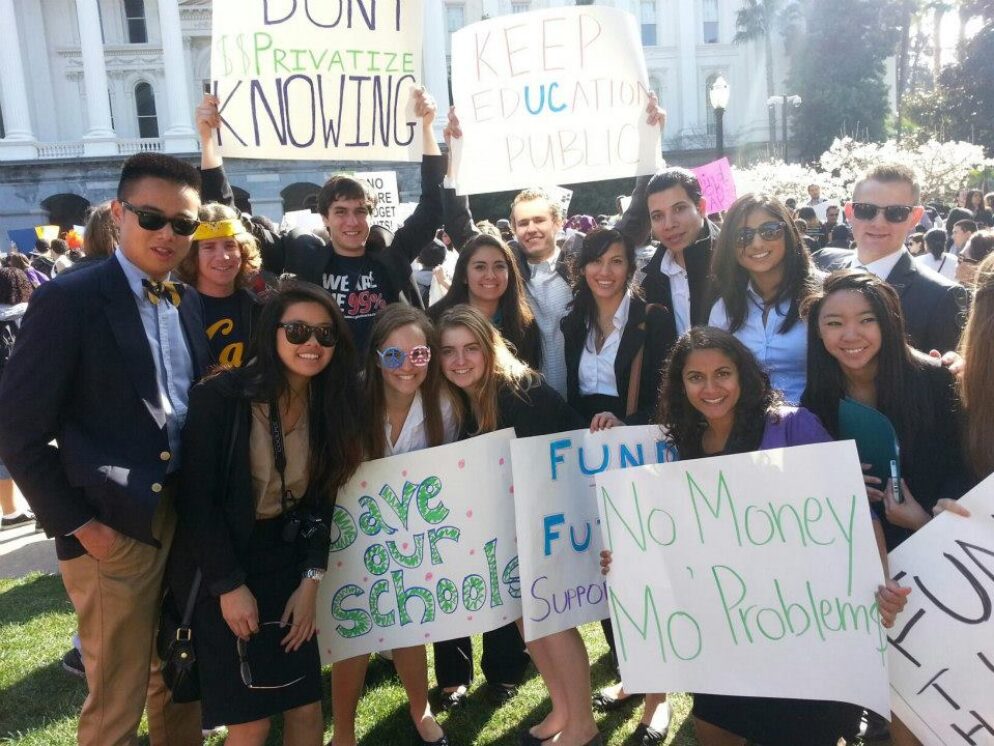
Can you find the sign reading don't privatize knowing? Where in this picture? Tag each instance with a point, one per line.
(423, 550)
(555, 506)
(753, 574)
(299, 79)
(942, 645)
(551, 97)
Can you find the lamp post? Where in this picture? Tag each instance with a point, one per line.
(718, 96)
(784, 101)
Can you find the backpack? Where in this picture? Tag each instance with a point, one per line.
(8, 331)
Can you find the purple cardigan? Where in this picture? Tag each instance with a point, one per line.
(796, 426)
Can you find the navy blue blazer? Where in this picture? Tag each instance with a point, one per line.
(82, 374)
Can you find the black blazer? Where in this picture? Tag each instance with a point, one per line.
(934, 307)
(653, 327)
(538, 411)
(82, 374)
(216, 509)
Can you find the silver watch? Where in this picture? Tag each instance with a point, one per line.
(313, 573)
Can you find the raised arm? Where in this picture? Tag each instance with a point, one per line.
(455, 209)
(634, 224)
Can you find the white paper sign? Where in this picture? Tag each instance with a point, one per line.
(555, 505)
(384, 185)
(423, 550)
(299, 79)
(751, 574)
(550, 97)
(942, 646)
(304, 220)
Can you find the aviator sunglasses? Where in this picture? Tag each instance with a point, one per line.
(297, 333)
(892, 213)
(770, 231)
(394, 357)
(156, 221)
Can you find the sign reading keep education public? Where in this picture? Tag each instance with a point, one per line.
(942, 645)
(300, 79)
(752, 574)
(423, 550)
(550, 97)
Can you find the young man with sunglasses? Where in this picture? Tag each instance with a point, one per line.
(103, 364)
(883, 211)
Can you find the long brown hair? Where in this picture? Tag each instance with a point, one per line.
(435, 387)
(501, 368)
(977, 384)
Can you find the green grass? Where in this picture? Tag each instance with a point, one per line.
(39, 702)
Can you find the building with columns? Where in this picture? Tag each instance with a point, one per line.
(85, 83)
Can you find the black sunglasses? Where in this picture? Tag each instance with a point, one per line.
(770, 231)
(245, 669)
(892, 213)
(156, 221)
(297, 333)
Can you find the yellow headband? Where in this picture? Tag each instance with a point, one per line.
(218, 229)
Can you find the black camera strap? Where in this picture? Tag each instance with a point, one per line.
(279, 453)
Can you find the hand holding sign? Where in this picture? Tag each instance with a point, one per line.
(207, 117)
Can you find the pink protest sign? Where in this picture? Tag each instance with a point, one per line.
(717, 184)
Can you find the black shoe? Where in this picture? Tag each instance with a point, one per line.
(525, 738)
(606, 703)
(419, 741)
(643, 735)
(452, 700)
(17, 520)
(72, 662)
(501, 693)
(873, 728)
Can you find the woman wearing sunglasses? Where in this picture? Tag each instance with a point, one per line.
(266, 448)
(487, 277)
(762, 274)
(499, 391)
(407, 406)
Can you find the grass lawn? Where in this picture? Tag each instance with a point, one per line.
(39, 702)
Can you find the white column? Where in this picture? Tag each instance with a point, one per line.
(687, 44)
(179, 137)
(99, 138)
(436, 78)
(20, 140)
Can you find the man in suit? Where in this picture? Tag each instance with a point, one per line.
(103, 365)
(883, 211)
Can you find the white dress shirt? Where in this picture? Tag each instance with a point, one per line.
(548, 294)
(413, 435)
(597, 367)
(679, 291)
(881, 267)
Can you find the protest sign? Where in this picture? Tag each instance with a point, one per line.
(384, 185)
(304, 220)
(751, 574)
(423, 550)
(551, 96)
(717, 184)
(942, 645)
(555, 506)
(298, 79)
(562, 195)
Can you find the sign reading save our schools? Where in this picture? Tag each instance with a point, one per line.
(752, 574)
(555, 505)
(423, 550)
(550, 97)
(942, 646)
(330, 80)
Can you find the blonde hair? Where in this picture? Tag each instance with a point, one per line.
(977, 383)
(188, 270)
(531, 194)
(501, 367)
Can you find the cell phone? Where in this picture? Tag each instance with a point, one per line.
(895, 482)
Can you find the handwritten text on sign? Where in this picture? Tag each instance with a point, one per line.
(384, 186)
(717, 184)
(300, 79)
(551, 96)
(423, 549)
(942, 646)
(751, 574)
(555, 505)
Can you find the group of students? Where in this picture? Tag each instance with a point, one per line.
(732, 339)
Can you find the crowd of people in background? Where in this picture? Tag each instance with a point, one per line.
(246, 395)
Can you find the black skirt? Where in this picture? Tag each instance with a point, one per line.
(273, 574)
(774, 721)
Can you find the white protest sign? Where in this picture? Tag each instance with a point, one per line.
(555, 506)
(405, 210)
(304, 220)
(423, 550)
(298, 79)
(551, 96)
(562, 195)
(384, 184)
(942, 645)
(751, 574)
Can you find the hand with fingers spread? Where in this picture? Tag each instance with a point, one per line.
(604, 421)
(298, 615)
(240, 611)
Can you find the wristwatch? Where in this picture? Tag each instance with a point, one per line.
(313, 573)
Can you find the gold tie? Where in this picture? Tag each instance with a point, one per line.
(169, 291)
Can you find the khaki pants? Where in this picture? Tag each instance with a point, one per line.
(117, 606)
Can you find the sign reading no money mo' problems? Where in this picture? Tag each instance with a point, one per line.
(331, 80)
(752, 574)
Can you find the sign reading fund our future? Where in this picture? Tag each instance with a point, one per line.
(942, 645)
(555, 505)
(751, 575)
(423, 549)
(550, 97)
(329, 80)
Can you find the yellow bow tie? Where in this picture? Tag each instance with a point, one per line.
(169, 291)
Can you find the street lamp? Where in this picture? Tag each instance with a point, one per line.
(785, 101)
(718, 96)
